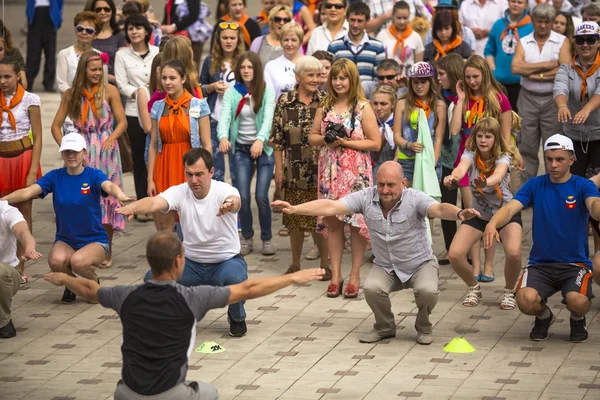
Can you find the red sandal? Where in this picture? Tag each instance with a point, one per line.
(351, 291)
(335, 289)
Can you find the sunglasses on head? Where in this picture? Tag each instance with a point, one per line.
(329, 6)
(107, 10)
(234, 26)
(279, 20)
(590, 40)
(81, 28)
(386, 77)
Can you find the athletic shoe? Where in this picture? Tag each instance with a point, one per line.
(268, 249)
(313, 254)
(236, 329)
(579, 333)
(540, 328)
(8, 331)
(68, 297)
(247, 246)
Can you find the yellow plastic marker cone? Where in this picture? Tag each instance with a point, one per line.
(459, 345)
(210, 348)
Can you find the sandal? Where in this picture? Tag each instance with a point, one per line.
(508, 300)
(486, 279)
(284, 232)
(473, 297)
(105, 264)
(291, 270)
(351, 291)
(334, 290)
(25, 279)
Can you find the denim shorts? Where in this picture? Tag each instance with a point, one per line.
(104, 246)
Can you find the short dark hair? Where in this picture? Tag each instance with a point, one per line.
(161, 251)
(131, 7)
(323, 55)
(401, 5)
(194, 154)
(444, 18)
(359, 8)
(389, 63)
(137, 20)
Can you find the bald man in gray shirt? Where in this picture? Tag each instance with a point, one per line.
(395, 216)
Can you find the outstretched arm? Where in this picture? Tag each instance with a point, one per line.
(450, 212)
(22, 195)
(21, 232)
(115, 191)
(144, 206)
(315, 208)
(85, 288)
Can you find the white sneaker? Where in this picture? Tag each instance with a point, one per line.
(247, 246)
(268, 249)
(314, 253)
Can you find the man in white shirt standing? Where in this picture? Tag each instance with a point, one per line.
(381, 13)
(480, 16)
(13, 227)
(208, 214)
(336, 27)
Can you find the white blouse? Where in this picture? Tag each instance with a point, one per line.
(7, 134)
(66, 66)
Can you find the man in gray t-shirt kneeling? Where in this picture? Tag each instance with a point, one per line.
(395, 216)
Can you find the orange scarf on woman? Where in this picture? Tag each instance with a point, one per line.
(442, 51)
(483, 174)
(88, 102)
(176, 110)
(400, 38)
(263, 16)
(426, 108)
(476, 110)
(242, 23)
(589, 73)
(17, 98)
(513, 27)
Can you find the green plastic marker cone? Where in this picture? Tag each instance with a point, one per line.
(459, 345)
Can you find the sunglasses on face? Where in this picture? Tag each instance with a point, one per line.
(234, 26)
(386, 77)
(329, 6)
(279, 20)
(98, 10)
(81, 28)
(590, 40)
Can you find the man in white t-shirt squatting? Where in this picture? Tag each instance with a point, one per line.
(13, 227)
(208, 215)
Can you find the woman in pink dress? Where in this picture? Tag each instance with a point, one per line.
(346, 130)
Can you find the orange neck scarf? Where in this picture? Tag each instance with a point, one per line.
(589, 73)
(400, 38)
(513, 27)
(17, 98)
(176, 111)
(312, 6)
(426, 108)
(442, 51)
(242, 23)
(476, 110)
(263, 16)
(88, 102)
(484, 174)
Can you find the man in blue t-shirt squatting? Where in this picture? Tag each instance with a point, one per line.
(562, 204)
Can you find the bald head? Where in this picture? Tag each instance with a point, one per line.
(390, 170)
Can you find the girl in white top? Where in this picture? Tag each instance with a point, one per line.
(87, 25)
(280, 74)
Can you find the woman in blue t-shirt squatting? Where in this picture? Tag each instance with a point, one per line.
(81, 242)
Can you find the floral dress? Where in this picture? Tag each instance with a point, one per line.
(343, 171)
(96, 131)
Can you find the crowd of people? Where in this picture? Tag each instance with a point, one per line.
(371, 117)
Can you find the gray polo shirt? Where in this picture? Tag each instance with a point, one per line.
(400, 243)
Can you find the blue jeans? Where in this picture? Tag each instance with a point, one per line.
(264, 174)
(229, 272)
(218, 157)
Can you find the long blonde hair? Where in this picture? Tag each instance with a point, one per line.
(217, 55)
(356, 92)
(490, 87)
(432, 98)
(80, 82)
(180, 48)
(500, 148)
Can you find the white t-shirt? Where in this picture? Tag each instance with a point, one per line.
(412, 45)
(280, 75)
(227, 77)
(247, 130)
(9, 217)
(206, 237)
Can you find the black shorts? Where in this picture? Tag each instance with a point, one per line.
(480, 224)
(548, 279)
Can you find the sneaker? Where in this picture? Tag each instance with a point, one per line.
(374, 336)
(247, 245)
(314, 253)
(236, 329)
(509, 301)
(424, 338)
(473, 296)
(8, 331)
(268, 249)
(540, 328)
(579, 333)
(68, 297)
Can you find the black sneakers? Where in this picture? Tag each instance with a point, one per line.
(236, 329)
(8, 331)
(579, 333)
(68, 297)
(540, 328)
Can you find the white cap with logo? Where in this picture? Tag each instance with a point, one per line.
(72, 141)
(559, 142)
(587, 28)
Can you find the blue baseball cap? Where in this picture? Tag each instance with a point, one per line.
(445, 4)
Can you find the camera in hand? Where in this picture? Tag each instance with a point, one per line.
(333, 131)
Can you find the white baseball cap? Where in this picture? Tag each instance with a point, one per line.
(559, 142)
(72, 141)
(587, 28)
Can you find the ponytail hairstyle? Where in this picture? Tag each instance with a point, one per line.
(500, 148)
(390, 92)
(80, 82)
(155, 79)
